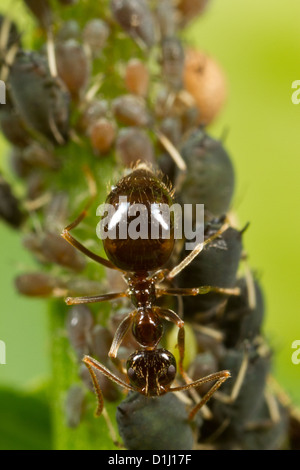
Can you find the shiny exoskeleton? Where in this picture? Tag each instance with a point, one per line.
(151, 370)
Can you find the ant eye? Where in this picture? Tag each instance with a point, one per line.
(131, 374)
(171, 372)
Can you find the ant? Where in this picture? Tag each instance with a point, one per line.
(150, 370)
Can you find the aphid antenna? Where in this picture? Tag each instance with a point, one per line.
(59, 138)
(51, 53)
(32, 205)
(208, 331)
(172, 150)
(224, 134)
(92, 92)
(250, 285)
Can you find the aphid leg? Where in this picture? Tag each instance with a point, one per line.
(228, 399)
(95, 298)
(120, 333)
(172, 150)
(91, 365)
(195, 252)
(220, 377)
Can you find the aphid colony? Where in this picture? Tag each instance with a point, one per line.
(123, 90)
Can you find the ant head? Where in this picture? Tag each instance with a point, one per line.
(151, 372)
(141, 223)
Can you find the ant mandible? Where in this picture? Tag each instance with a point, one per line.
(150, 370)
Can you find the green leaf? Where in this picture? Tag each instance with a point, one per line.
(24, 421)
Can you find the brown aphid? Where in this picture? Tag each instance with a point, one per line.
(133, 145)
(102, 135)
(150, 370)
(51, 248)
(94, 110)
(189, 9)
(131, 110)
(137, 77)
(38, 156)
(172, 62)
(42, 11)
(205, 81)
(72, 66)
(10, 210)
(39, 284)
(95, 35)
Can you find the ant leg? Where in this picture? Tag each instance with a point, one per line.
(93, 365)
(70, 239)
(169, 315)
(198, 290)
(198, 248)
(94, 299)
(120, 333)
(220, 377)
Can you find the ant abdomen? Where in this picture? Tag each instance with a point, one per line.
(139, 193)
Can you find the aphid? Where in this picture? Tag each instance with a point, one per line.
(267, 432)
(13, 126)
(244, 397)
(39, 284)
(10, 210)
(241, 320)
(204, 80)
(203, 364)
(38, 156)
(102, 135)
(74, 405)
(172, 62)
(133, 145)
(73, 66)
(190, 9)
(42, 11)
(166, 18)
(137, 77)
(41, 99)
(131, 110)
(150, 370)
(92, 112)
(95, 34)
(146, 424)
(135, 17)
(79, 325)
(216, 265)
(70, 29)
(47, 245)
(209, 178)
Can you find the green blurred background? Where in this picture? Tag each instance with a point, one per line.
(258, 45)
